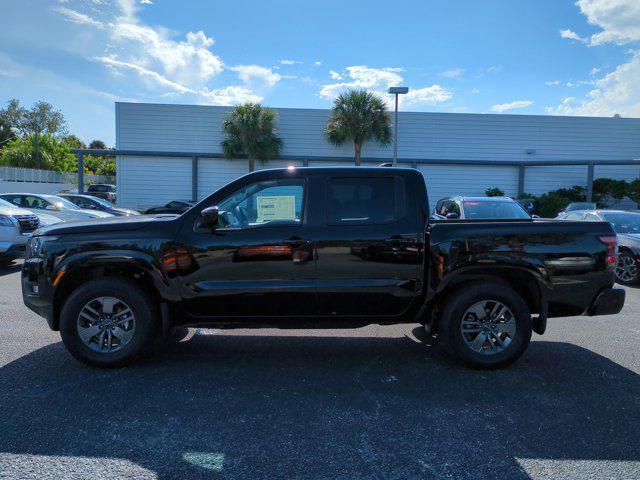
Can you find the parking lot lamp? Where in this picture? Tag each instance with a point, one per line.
(396, 91)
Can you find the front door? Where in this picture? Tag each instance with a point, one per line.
(258, 261)
(368, 252)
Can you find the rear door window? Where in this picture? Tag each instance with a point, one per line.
(365, 201)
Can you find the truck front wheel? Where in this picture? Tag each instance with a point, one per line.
(486, 325)
(108, 322)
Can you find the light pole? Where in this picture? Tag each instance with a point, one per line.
(396, 91)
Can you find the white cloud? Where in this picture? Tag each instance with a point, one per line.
(594, 71)
(475, 90)
(317, 63)
(570, 34)
(453, 73)
(427, 96)
(618, 19)
(256, 75)
(616, 92)
(502, 107)
(166, 66)
(494, 69)
(78, 17)
(363, 77)
(378, 80)
(552, 82)
(290, 62)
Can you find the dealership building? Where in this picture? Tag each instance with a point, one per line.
(172, 152)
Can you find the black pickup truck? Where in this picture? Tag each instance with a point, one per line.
(317, 248)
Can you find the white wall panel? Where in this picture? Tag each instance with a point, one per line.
(538, 180)
(448, 180)
(146, 181)
(214, 173)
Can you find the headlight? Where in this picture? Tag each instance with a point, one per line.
(35, 245)
(7, 221)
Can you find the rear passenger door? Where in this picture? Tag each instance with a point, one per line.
(367, 250)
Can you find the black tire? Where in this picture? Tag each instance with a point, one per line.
(635, 278)
(453, 314)
(144, 311)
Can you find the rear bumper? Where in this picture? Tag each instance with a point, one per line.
(608, 302)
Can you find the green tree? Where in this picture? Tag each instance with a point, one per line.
(6, 132)
(39, 120)
(251, 134)
(359, 116)
(100, 164)
(494, 192)
(53, 154)
(74, 141)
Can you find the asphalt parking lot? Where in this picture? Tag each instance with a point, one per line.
(368, 403)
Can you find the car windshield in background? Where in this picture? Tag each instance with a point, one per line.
(62, 202)
(624, 222)
(580, 206)
(103, 202)
(101, 188)
(493, 209)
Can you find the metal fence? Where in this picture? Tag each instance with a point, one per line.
(34, 175)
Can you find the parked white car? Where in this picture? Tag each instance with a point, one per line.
(52, 205)
(45, 218)
(16, 226)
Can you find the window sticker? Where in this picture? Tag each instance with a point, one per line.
(276, 208)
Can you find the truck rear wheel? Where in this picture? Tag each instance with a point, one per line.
(108, 322)
(486, 325)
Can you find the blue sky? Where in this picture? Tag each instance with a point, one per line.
(551, 57)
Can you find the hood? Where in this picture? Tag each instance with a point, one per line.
(125, 211)
(629, 239)
(9, 211)
(112, 224)
(95, 213)
(46, 219)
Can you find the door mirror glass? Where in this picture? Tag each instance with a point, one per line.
(209, 217)
(452, 216)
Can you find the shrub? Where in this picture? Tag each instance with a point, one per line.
(494, 192)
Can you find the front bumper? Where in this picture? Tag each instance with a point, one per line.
(608, 302)
(36, 291)
(12, 241)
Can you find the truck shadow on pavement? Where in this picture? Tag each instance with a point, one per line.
(316, 407)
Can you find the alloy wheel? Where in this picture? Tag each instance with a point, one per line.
(106, 324)
(488, 327)
(626, 269)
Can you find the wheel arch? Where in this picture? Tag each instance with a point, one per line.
(73, 275)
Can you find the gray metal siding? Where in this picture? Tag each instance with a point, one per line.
(446, 180)
(147, 181)
(421, 136)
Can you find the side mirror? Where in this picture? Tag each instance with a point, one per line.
(452, 216)
(51, 207)
(209, 217)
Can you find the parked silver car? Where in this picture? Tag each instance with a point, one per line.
(53, 205)
(16, 226)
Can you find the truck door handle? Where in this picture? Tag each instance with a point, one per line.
(293, 241)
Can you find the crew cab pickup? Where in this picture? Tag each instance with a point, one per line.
(317, 248)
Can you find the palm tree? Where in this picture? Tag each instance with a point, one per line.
(251, 133)
(358, 115)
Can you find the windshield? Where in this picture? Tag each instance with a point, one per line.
(580, 206)
(102, 202)
(61, 202)
(493, 209)
(624, 222)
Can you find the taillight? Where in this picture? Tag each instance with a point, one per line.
(611, 241)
